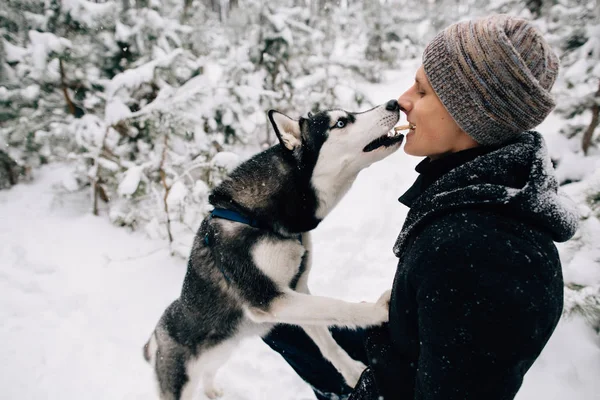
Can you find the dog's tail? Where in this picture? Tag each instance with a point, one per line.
(150, 348)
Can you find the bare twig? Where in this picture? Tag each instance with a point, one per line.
(586, 141)
(186, 173)
(96, 187)
(163, 179)
(110, 260)
(217, 146)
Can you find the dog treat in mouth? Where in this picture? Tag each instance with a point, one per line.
(395, 131)
(404, 127)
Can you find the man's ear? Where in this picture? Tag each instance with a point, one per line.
(286, 129)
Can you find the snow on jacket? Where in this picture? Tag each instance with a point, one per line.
(478, 290)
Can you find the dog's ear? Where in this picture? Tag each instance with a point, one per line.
(286, 129)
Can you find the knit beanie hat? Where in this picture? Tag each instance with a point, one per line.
(493, 75)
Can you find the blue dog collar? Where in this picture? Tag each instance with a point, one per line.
(233, 216)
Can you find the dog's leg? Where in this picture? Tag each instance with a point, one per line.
(210, 390)
(348, 367)
(192, 370)
(204, 368)
(210, 362)
(304, 309)
(150, 350)
(189, 389)
(170, 360)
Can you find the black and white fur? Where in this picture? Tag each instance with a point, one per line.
(242, 280)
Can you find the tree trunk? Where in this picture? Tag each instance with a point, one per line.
(3, 72)
(320, 7)
(63, 83)
(535, 7)
(586, 141)
(9, 171)
(186, 6)
(215, 6)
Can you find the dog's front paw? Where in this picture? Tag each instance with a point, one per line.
(352, 372)
(213, 393)
(381, 312)
(384, 299)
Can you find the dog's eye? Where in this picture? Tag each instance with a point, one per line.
(340, 124)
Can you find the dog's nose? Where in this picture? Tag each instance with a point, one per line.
(392, 105)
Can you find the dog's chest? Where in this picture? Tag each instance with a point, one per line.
(279, 260)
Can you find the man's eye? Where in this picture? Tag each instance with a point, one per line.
(340, 124)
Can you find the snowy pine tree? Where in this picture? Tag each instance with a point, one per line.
(574, 29)
(578, 26)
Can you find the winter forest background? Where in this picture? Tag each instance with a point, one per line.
(144, 105)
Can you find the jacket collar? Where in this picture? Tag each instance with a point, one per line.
(431, 170)
(517, 179)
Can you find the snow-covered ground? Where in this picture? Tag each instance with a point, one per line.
(79, 296)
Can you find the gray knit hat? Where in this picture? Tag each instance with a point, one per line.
(493, 75)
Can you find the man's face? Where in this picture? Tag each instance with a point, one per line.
(435, 132)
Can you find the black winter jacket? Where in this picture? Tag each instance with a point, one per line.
(478, 290)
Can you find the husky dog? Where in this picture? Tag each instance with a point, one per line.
(249, 264)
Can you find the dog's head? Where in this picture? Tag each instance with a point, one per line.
(335, 145)
(357, 139)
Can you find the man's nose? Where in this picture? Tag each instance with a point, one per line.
(392, 105)
(404, 104)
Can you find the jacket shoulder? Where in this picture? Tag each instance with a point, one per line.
(481, 224)
(474, 236)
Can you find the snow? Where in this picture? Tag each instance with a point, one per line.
(280, 25)
(108, 164)
(573, 167)
(226, 160)
(89, 130)
(130, 182)
(36, 21)
(577, 71)
(116, 111)
(580, 256)
(177, 194)
(89, 14)
(69, 182)
(31, 92)
(568, 367)
(42, 45)
(122, 32)
(133, 78)
(201, 191)
(79, 296)
(227, 118)
(13, 53)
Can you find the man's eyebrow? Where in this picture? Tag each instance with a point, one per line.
(421, 84)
